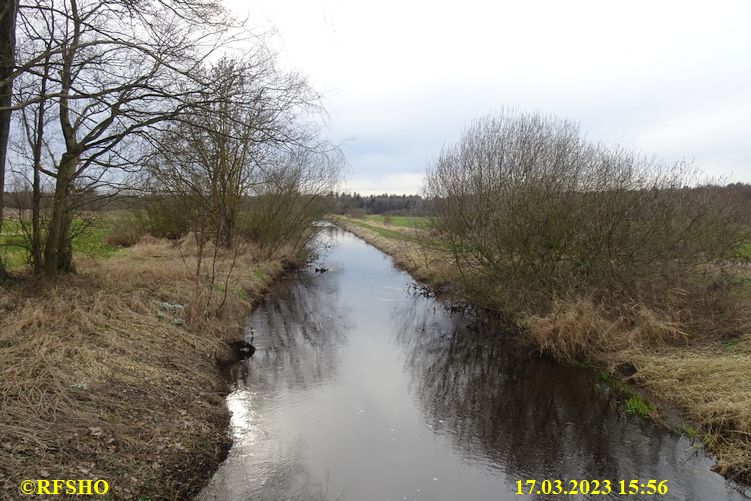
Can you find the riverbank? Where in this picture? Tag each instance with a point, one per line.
(707, 381)
(114, 373)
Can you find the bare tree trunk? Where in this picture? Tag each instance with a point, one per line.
(36, 200)
(225, 223)
(36, 236)
(7, 62)
(58, 254)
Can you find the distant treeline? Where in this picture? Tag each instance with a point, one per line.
(378, 204)
(743, 189)
(344, 202)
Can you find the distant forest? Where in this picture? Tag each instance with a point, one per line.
(343, 203)
(397, 205)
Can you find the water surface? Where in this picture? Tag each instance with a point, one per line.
(362, 390)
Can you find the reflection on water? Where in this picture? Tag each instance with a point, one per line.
(359, 390)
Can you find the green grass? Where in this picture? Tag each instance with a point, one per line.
(632, 402)
(242, 294)
(393, 234)
(745, 250)
(90, 240)
(691, 432)
(401, 221)
(635, 405)
(399, 234)
(731, 345)
(619, 389)
(259, 273)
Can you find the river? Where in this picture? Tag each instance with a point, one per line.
(361, 389)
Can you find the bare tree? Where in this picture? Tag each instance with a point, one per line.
(114, 71)
(7, 62)
(295, 193)
(226, 143)
(531, 210)
(34, 120)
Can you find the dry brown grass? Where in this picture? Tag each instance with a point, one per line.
(706, 374)
(574, 329)
(713, 387)
(693, 351)
(101, 378)
(577, 328)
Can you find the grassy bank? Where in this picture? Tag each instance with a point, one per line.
(706, 377)
(399, 221)
(112, 373)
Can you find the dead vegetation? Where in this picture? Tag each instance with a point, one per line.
(112, 373)
(704, 373)
(711, 384)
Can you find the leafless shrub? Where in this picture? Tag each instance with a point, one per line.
(247, 160)
(165, 216)
(126, 232)
(531, 210)
(282, 209)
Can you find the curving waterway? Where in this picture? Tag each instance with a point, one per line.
(362, 390)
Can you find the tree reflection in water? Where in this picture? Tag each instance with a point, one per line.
(527, 416)
(298, 332)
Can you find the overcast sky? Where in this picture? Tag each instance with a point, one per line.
(401, 77)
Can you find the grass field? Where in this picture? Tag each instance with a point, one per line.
(378, 228)
(400, 221)
(90, 240)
